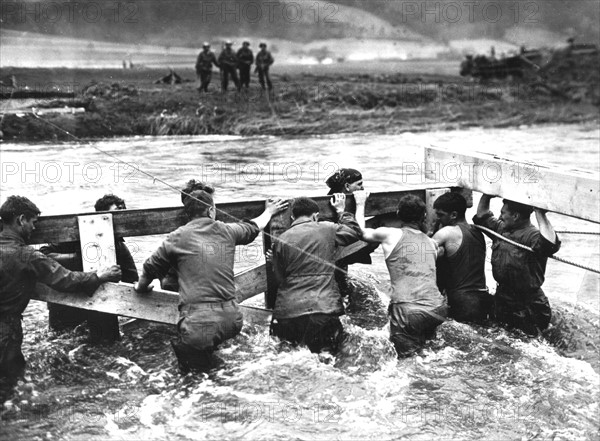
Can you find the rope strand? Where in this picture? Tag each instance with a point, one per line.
(525, 247)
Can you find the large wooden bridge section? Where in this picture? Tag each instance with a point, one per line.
(572, 193)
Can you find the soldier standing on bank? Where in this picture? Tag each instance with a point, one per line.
(228, 62)
(264, 60)
(245, 60)
(206, 59)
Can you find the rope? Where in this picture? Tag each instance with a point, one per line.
(525, 247)
(591, 233)
(156, 179)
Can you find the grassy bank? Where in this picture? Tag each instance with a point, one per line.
(129, 103)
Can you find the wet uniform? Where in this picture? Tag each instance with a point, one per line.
(103, 326)
(203, 251)
(308, 303)
(245, 60)
(462, 278)
(21, 266)
(264, 60)
(519, 301)
(228, 63)
(204, 68)
(416, 307)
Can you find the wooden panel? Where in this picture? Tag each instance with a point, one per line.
(573, 193)
(130, 223)
(97, 241)
(157, 306)
(250, 282)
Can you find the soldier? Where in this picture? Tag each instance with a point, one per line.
(206, 59)
(21, 266)
(264, 60)
(245, 59)
(228, 62)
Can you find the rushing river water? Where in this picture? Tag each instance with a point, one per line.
(469, 383)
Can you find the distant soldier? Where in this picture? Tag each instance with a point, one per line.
(206, 59)
(264, 60)
(245, 60)
(228, 62)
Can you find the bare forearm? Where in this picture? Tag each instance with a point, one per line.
(263, 220)
(546, 228)
(484, 205)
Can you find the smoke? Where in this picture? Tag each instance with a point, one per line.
(185, 23)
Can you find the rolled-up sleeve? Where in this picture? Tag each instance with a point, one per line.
(489, 221)
(543, 247)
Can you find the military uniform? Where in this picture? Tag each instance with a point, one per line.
(308, 303)
(21, 266)
(228, 62)
(519, 301)
(245, 60)
(264, 60)
(204, 68)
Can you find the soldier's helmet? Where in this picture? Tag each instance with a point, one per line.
(246, 43)
(263, 44)
(228, 43)
(206, 44)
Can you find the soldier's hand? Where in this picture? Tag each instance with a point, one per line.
(112, 274)
(338, 201)
(275, 205)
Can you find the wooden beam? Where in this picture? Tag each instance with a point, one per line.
(131, 223)
(97, 241)
(157, 306)
(572, 193)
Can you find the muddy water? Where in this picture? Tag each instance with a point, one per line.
(469, 383)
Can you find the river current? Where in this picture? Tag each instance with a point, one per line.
(469, 383)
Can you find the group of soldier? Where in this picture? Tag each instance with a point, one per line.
(433, 276)
(229, 62)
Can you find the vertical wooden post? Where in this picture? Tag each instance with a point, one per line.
(97, 241)
(430, 197)
(279, 223)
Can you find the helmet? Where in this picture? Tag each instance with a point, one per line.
(228, 43)
(206, 44)
(262, 44)
(246, 43)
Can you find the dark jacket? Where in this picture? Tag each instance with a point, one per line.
(303, 261)
(264, 59)
(202, 252)
(227, 58)
(21, 266)
(517, 270)
(205, 61)
(245, 56)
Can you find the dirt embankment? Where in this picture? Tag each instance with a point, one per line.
(129, 103)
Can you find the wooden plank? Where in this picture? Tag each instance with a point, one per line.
(157, 306)
(97, 241)
(250, 282)
(572, 193)
(131, 223)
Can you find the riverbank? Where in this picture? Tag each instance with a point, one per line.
(130, 103)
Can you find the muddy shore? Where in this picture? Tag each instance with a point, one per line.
(130, 103)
